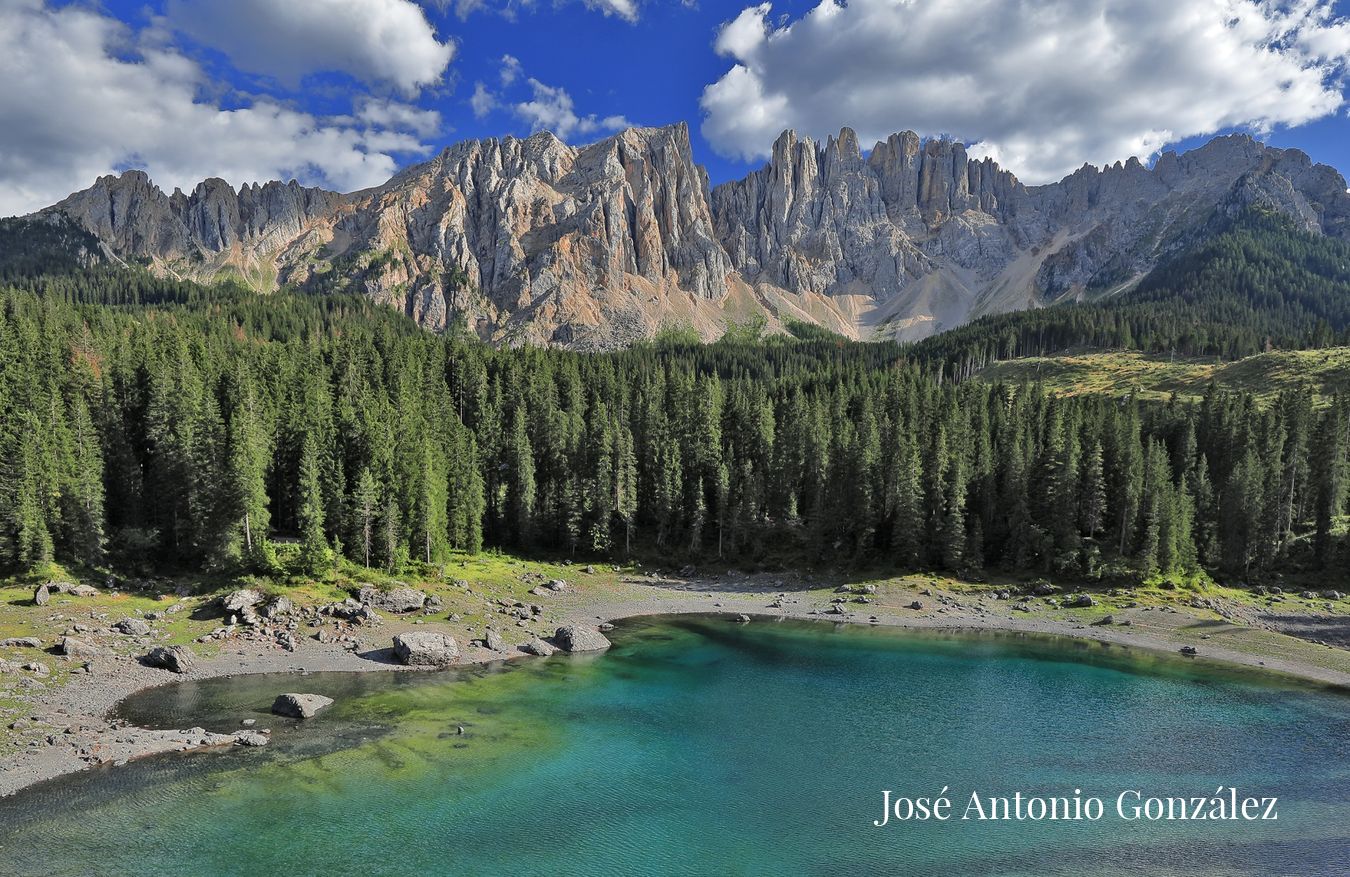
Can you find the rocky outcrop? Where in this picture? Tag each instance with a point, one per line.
(401, 599)
(532, 240)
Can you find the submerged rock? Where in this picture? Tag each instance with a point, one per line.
(178, 659)
(575, 638)
(426, 649)
(300, 706)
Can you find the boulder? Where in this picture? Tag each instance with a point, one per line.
(1332, 595)
(576, 638)
(538, 647)
(1190, 651)
(741, 619)
(1105, 621)
(401, 599)
(1080, 601)
(250, 738)
(300, 706)
(493, 640)
(82, 591)
(426, 649)
(238, 601)
(556, 585)
(278, 607)
(42, 596)
(132, 627)
(22, 642)
(177, 659)
(916, 605)
(77, 648)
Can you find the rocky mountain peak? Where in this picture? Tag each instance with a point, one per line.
(533, 239)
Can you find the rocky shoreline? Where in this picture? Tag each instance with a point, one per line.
(69, 729)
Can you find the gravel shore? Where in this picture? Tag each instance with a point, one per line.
(69, 730)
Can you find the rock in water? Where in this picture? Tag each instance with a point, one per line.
(575, 638)
(300, 706)
(250, 738)
(132, 627)
(178, 659)
(42, 596)
(426, 649)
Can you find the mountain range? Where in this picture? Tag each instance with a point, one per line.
(533, 240)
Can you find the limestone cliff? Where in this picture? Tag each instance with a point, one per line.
(534, 240)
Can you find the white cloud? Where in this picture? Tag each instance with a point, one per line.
(1041, 85)
(552, 110)
(84, 96)
(510, 69)
(377, 41)
(625, 9)
(483, 101)
(386, 113)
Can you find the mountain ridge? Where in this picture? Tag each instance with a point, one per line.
(530, 239)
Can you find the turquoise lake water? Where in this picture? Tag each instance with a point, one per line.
(697, 747)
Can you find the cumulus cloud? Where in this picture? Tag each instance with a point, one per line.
(1041, 85)
(376, 41)
(551, 109)
(625, 9)
(84, 96)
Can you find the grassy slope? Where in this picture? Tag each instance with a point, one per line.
(1159, 376)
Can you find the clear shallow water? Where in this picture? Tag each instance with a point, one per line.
(701, 747)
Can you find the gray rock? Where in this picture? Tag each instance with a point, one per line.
(300, 706)
(741, 619)
(1080, 601)
(538, 647)
(76, 648)
(250, 738)
(177, 659)
(278, 607)
(556, 585)
(493, 640)
(22, 642)
(132, 627)
(426, 649)
(82, 591)
(238, 601)
(398, 600)
(576, 638)
(42, 595)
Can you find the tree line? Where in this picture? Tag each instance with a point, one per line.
(201, 432)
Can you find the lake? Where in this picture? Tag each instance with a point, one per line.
(697, 746)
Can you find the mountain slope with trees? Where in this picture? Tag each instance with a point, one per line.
(155, 425)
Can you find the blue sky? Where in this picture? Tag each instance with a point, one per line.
(343, 92)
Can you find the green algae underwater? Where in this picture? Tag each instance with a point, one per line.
(696, 746)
